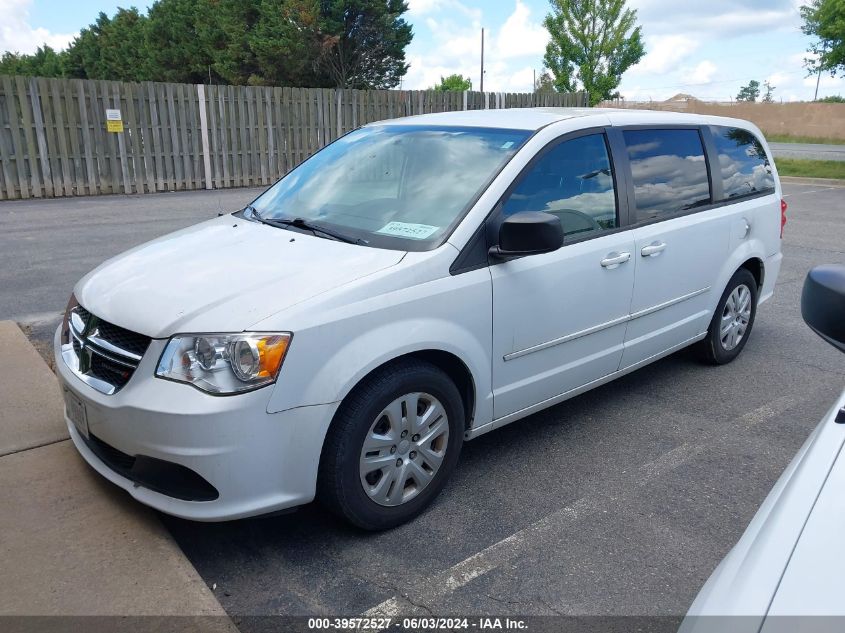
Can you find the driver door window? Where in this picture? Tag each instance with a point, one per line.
(573, 180)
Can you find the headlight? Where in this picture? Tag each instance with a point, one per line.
(224, 363)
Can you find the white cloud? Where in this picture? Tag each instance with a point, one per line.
(18, 35)
(520, 36)
(703, 72)
(716, 18)
(665, 53)
(453, 45)
(421, 7)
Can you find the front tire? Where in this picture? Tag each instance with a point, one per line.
(393, 445)
(732, 322)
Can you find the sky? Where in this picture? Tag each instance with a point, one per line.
(706, 49)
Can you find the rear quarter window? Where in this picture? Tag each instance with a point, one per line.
(743, 163)
(669, 171)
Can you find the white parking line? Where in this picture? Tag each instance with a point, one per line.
(479, 564)
(429, 590)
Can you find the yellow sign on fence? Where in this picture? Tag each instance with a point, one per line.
(114, 121)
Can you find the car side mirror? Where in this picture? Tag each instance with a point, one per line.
(823, 303)
(528, 233)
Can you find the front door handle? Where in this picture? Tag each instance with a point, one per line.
(614, 259)
(654, 249)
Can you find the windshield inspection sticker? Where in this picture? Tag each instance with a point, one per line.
(406, 229)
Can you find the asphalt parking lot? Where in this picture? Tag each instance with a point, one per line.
(618, 502)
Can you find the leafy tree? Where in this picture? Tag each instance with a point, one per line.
(544, 83)
(307, 43)
(111, 48)
(286, 43)
(224, 28)
(175, 51)
(832, 99)
(825, 21)
(767, 96)
(453, 82)
(593, 42)
(45, 62)
(363, 42)
(749, 92)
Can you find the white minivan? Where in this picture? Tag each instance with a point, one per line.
(412, 285)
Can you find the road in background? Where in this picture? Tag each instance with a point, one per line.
(620, 501)
(810, 151)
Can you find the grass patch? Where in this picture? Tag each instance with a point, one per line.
(811, 168)
(788, 138)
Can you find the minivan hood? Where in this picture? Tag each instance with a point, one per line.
(221, 276)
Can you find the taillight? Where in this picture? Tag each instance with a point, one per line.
(783, 208)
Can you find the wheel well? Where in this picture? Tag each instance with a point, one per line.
(755, 267)
(453, 367)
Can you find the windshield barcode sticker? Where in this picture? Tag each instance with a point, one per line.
(406, 229)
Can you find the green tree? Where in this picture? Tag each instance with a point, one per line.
(767, 96)
(45, 62)
(175, 51)
(111, 48)
(824, 20)
(307, 43)
(286, 43)
(749, 92)
(593, 42)
(832, 99)
(544, 83)
(224, 28)
(363, 42)
(453, 82)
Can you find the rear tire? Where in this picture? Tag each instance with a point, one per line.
(732, 322)
(392, 446)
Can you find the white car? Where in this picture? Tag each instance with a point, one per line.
(415, 284)
(791, 560)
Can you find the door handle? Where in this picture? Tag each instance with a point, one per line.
(614, 259)
(654, 249)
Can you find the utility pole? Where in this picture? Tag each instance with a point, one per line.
(819, 77)
(482, 59)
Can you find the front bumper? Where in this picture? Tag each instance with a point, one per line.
(257, 462)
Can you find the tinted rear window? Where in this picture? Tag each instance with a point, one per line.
(743, 163)
(669, 171)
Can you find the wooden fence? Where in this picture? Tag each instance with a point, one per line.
(54, 138)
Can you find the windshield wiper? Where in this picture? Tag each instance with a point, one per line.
(302, 223)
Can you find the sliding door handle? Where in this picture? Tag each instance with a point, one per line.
(654, 249)
(614, 259)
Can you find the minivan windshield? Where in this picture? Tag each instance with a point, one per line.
(401, 187)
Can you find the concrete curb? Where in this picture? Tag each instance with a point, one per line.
(31, 414)
(72, 544)
(823, 182)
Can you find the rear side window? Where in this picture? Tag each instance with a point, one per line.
(573, 181)
(743, 163)
(669, 171)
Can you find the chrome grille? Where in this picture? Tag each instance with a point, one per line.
(102, 354)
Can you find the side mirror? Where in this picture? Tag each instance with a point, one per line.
(528, 233)
(823, 303)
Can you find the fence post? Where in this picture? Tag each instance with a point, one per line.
(206, 154)
(39, 136)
